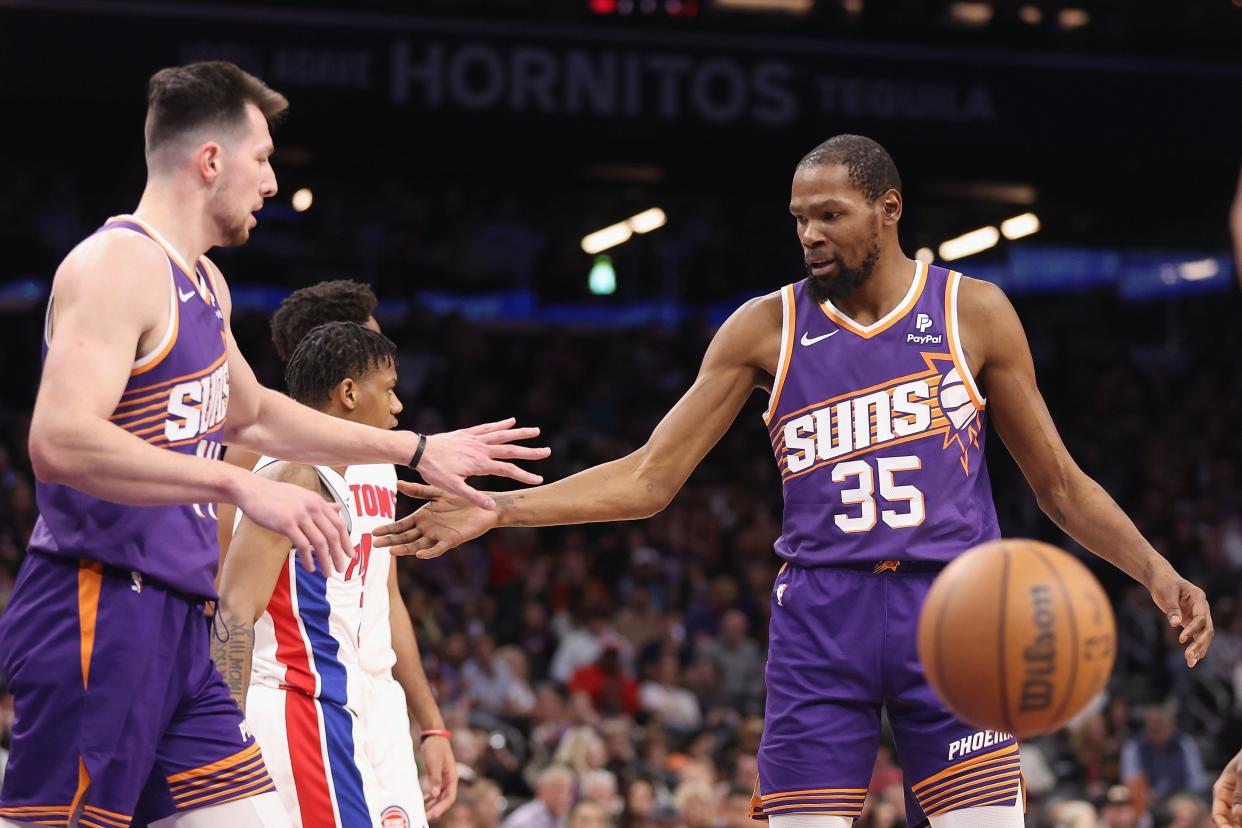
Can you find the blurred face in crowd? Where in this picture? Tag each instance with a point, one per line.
(587, 814)
(838, 227)
(733, 628)
(640, 799)
(735, 811)
(1158, 726)
(460, 815)
(557, 792)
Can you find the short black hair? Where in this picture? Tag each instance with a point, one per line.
(332, 353)
(870, 167)
(342, 300)
(181, 99)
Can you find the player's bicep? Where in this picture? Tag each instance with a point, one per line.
(1015, 404)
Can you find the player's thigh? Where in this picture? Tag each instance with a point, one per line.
(988, 816)
(89, 663)
(398, 802)
(263, 811)
(948, 764)
(822, 722)
(316, 754)
(207, 755)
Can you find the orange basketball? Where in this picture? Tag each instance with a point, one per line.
(1016, 636)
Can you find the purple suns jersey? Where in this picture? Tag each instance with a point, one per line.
(878, 431)
(176, 399)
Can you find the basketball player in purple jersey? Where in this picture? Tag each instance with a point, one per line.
(120, 715)
(876, 368)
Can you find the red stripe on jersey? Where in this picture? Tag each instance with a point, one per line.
(310, 775)
(290, 645)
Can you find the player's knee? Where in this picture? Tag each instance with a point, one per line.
(262, 811)
(808, 821)
(990, 816)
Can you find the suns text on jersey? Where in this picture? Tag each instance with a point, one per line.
(197, 406)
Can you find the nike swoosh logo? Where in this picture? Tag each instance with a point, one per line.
(807, 340)
(185, 297)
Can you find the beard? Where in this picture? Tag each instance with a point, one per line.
(848, 279)
(232, 227)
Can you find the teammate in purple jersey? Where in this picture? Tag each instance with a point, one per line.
(120, 716)
(876, 368)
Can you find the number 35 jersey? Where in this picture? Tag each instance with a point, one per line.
(319, 635)
(878, 431)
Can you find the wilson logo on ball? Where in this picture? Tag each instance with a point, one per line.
(1039, 657)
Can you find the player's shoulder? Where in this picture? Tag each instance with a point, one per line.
(980, 299)
(128, 259)
(297, 474)
(761, 311)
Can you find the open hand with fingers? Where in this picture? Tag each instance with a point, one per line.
(312, 524)
(1186, 606)
(446, 521)
(448, 459)
(1227, 795)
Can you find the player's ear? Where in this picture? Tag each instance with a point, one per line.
(347, 394)
(209, 161)
(890, 207)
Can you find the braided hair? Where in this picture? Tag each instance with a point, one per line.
(332, 353)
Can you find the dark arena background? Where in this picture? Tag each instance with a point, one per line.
(453, 154)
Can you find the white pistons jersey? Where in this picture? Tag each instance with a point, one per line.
(318, 634)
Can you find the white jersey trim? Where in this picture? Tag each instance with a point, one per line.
(955, 343)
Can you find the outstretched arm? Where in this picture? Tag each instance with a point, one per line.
(999, 354)
(264, 420)
(741, 357)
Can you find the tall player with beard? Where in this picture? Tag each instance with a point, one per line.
(119, 714)
(876, 367)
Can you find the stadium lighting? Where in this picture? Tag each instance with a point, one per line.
(623, 231)
(786, 6)
(925, 255)
(1071, 18)
(303, 199)
(602, 280)
(610, 236)
(968, 244)
(970, 14)
(1019, 226)
(647, 220)
(1199, 270)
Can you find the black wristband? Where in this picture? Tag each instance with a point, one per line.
(418, 453)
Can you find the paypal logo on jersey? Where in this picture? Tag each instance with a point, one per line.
(922, 323)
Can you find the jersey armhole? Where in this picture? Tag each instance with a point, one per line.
(955, 342)
(788, 325)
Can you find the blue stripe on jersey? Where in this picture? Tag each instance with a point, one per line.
(313, 608)
(351, 801)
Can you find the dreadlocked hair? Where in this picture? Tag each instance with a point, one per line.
(332, 353)
(342, 300)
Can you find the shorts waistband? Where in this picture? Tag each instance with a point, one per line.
(889, 567)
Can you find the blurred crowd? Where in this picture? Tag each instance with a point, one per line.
(611, 676)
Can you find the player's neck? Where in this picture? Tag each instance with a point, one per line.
(178, 217)
(887, 286)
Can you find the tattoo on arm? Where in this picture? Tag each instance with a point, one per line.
(232, 650)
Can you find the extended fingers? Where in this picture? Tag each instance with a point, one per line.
(509, 470)
(508, 435)
(487, 428)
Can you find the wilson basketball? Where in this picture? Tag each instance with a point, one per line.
(1016, 636)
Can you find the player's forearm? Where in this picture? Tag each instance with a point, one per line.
(101, 459)
(625, 489)
(1091, 517)
(408, 670)
(290, 431)
(232, 649)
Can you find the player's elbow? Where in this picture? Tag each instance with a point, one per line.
(654, 489)
(49, 457)
(1056, 493)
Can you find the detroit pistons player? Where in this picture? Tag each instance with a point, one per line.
(319, 690)
(876, 368)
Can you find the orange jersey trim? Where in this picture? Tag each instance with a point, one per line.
(897, 314)
(90, 579)
(169, 383)
(222, 765)
(955, 344)
(175, 322)
(925, 784)
(790, 321)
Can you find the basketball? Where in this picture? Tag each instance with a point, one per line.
(1016, 636)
